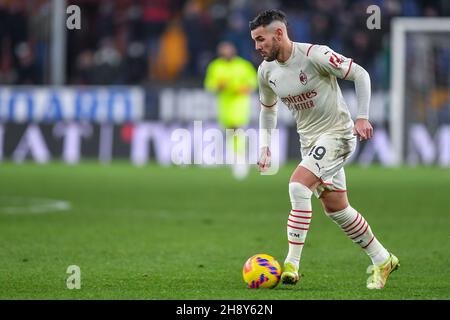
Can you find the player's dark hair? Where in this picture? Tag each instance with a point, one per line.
(267, 17)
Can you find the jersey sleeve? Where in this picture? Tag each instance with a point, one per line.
(267, 97)
(326, 61)
(251, 76)
(211, 81)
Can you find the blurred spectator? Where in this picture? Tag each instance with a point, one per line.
(322, 29)
(105, 26)
(39, 31)
(237, 31)
(107, 63)
(27, 72)
(84, 66)
(155, 16)
(136, 63)
(173, 53)
(361, 49)
(198, 28)
(17, 25)
(5, 61)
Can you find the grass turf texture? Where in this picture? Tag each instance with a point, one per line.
(185, 233)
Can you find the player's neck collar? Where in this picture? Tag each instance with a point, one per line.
(290, 57)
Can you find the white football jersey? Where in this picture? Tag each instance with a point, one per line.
(306, 83)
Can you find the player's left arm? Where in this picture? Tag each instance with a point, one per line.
(213, 81)
(361, 78)
(248, 78)
(329, 62)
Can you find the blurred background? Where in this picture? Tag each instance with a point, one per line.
(135, 62)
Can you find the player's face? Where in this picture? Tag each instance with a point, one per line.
(266, 43)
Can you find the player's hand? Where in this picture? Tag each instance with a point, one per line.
(264, 159)
(222, 86)
(363, 129)
(244, 90)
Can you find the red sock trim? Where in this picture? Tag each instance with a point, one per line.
(306, 229)
(369, 243)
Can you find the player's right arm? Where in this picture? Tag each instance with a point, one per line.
(329, 62)
(213, 82)
(267, 119)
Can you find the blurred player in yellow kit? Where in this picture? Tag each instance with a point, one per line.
(232, 79)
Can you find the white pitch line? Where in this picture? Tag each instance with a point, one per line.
(24, 205)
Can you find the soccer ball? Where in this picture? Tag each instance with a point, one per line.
(261, 271)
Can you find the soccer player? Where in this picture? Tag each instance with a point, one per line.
(232, 79)
(304, 76)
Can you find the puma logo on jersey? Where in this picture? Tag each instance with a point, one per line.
(319, 166)
(272, 82)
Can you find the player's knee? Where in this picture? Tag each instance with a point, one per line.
(334, 205)
(331, 208)
(299, 191)
(334, 202)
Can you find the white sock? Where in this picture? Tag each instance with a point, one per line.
(358, 230)
(298, 221)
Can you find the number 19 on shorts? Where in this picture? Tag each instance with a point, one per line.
(317, 152)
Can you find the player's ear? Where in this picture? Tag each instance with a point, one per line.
(279, 33)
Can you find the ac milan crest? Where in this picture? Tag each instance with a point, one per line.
(303, 78)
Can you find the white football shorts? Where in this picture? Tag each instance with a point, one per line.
(326, 159)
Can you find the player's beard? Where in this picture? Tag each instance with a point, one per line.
(274, 51)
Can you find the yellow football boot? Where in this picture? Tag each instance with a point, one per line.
(290, 274)
(380, 273)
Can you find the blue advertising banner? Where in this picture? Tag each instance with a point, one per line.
(54, 104)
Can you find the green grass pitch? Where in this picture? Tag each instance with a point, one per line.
(185, 233)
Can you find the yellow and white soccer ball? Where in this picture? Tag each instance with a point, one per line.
(261, 271)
